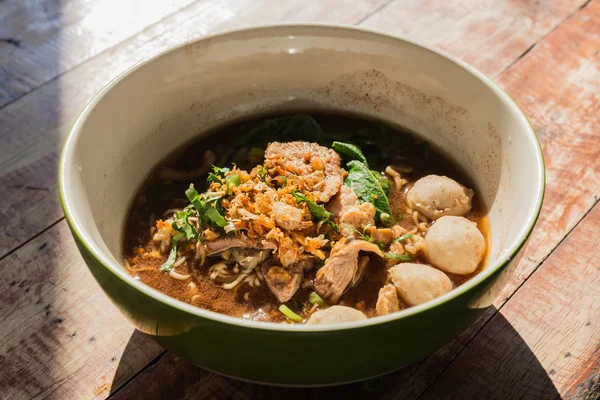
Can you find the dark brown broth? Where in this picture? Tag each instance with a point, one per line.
(156, 196)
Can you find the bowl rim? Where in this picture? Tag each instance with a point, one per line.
(111, 265)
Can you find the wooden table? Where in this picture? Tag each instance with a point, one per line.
(61, 338)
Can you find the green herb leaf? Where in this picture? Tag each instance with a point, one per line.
(399, 257)
(285, 129)
(289, 313)
(367, 187)
(183, 225)
(168, 265)
(194, 198)
(314, 298)
(215, 216)
(317, 211)
(262, 171)
(386, 219)
(403, 237)
(217, 174)
(255, 151)
(206, 205)
(332, 224)
(350, 152)
(383, 181)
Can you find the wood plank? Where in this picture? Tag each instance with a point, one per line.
(573, 161)
(545, 341)
(32, 142)
(488, 34)
(59, 334)
(42, 39)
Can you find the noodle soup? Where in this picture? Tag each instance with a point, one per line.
(306, 218)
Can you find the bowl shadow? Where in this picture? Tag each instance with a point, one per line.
(520, 375)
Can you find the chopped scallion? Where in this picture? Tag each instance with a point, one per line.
(314, 298)
(289, 313)
(235, 179)
(403, 237)
(399, 257)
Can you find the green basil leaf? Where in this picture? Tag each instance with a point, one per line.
(350, 152)
(367, 187)
(316, 210)
(383, 181)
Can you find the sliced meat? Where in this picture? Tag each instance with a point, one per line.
(340, 268)
(284, 282)
(345, 198)
(336, 315)
(350, 213)
(387, 301)
(220, 245)
(318, 165)
(384, 235)
(248, 258)
(289, 217)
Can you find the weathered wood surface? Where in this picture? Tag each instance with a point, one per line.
(46, 293)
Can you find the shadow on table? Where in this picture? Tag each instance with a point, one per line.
(502, 366)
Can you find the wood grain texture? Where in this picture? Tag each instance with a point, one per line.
(60, 336)
(554, 315)
(31, 142)
(42, 39)
(488, 34)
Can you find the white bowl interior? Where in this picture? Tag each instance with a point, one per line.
(145, 114)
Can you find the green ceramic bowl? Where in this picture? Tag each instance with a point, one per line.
(154, 107)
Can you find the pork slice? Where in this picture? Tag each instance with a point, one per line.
(387, 300)
(248, 258)
(350, 213)
(313, 162)
(220, 245)
(285, 282)
(289, 217)
(340, 268)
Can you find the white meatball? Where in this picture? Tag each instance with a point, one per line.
(435, 196)
(455, 245)
(336, 315)
(419, 283)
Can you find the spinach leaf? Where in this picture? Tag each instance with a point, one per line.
(317, 211)
(367, 187)
(349, 152)
(287, 128)
(383, 181)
